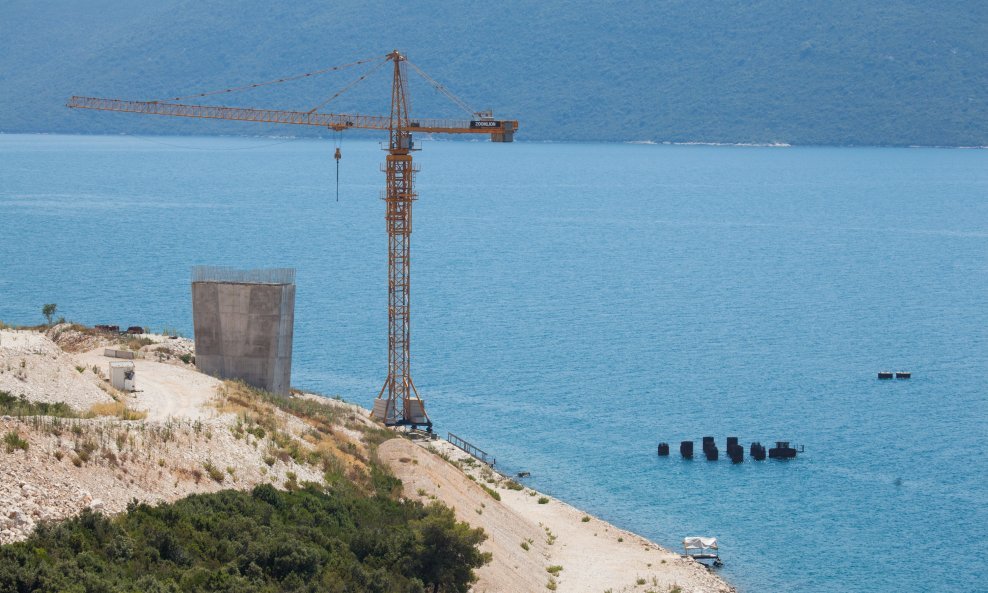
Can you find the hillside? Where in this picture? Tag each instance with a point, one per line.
(161, 463)
(855, 72)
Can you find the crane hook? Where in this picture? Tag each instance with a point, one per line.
(337, 142)
(338, 156)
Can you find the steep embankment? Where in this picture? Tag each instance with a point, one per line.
(539, 543)
(182, 433)
(72, 442)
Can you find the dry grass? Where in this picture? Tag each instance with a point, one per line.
(135, 344)
(115, 409)
(323, 444)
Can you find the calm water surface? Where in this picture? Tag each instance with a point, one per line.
(576, 304)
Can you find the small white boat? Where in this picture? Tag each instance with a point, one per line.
(702, 548)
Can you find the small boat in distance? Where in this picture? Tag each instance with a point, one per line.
(701, 548)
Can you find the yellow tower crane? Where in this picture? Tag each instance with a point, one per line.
(398, 403)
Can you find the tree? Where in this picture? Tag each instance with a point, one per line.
(448, 551)
(49, 311)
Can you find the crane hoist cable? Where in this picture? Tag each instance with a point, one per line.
(338, 142)
(349, 86)
(442, 89)
(255, 85)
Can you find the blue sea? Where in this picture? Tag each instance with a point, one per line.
(576, 304)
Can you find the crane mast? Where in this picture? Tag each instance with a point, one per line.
(398, 403)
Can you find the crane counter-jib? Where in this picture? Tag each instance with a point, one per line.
(336, 121)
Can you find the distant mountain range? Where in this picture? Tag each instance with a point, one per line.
(762, 71)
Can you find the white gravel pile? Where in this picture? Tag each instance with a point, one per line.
(33, 366)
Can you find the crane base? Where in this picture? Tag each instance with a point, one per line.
(410, 424)
(384, 411)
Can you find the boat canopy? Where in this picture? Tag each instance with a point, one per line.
(700, 543)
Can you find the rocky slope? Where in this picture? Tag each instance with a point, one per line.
(183, 432)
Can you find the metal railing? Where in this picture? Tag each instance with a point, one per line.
(469, 449)
(257, 276)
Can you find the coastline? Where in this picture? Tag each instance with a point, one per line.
(531, 532)
(173, 438)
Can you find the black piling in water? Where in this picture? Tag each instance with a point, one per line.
(757, 451)
(885, 374)
(903, 375)
(735, 452)
(711, 452)
(731, 441)
(686, 449)
(782, 450)
(708, 441)
(663, 449)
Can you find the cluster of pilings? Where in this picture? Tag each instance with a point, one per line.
(735, 452)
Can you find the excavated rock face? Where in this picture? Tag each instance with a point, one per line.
(76, 338)
(33, 366)
(185, 445)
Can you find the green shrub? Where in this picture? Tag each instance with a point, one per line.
(13, 441)
(251, 542)
(543, 500)
(214, 472)
(83, 451)
(20, 406)
(494, 493)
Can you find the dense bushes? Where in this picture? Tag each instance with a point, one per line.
(21, 406)
(261, 541)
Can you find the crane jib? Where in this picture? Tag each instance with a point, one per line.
(335, 121)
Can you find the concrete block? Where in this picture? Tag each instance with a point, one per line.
(244, 325)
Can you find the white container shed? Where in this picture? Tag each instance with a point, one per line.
(122, 375)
